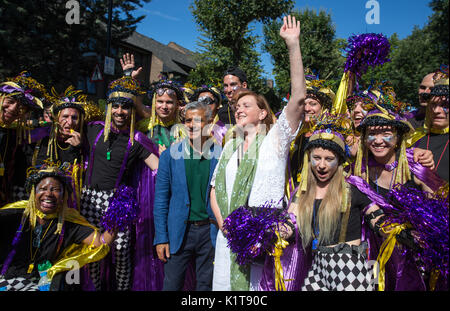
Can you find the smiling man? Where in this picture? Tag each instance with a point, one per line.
(159, 120)
(115, 162)
(185, 227)
(61, 142)
(234, 78)
(434, 134)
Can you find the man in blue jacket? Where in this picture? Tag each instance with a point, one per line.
(185, 226)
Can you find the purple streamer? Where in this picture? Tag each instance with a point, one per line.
(366, 50)
(424, 174)
(251, 231)
(429, 218)
(122, 210)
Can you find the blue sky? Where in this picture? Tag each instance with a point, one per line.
(171, 20)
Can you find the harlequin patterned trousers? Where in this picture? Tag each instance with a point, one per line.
(93, 206)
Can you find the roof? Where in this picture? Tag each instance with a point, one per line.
(173, 60)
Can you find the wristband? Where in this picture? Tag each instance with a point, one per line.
(127, 72)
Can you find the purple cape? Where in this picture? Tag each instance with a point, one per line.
(147, 269)
(295, 261)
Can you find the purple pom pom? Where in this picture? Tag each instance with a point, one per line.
(122, 211)
(366, 50)
(251, 231)
(429, 218)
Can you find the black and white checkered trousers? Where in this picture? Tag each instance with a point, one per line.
(19, 284)
(339, 271)
(94, 203)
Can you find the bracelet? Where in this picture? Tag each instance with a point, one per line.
(127, 72)
(377, 226)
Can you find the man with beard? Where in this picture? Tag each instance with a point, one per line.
(115, 152)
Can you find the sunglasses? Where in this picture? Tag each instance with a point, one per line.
(207, 100)
(161, 91)
(425, 96)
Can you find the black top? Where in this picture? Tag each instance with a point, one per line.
(437, 144)
(9, 223)
(417, 121)
(358, 202)
(383, 191)
(226, 114)
(7, 150)
(105, 172)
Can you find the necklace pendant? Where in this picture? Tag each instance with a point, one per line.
(2, 169)
(108, 155)
(314, 244)
(30, 268)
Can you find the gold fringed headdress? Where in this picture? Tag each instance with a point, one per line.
(319, 89)
(329, 132)
(123, 90)
(387, 111)
(34, 176)
(146, 125)
(28, 91)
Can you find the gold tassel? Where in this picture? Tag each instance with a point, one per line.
(304, 174)
(107, 122)
(132, 125)
(358, 160)
(76, 172)
(403, 172)
(62, 212)
(153, 117)
(31, 208)
(280, 245)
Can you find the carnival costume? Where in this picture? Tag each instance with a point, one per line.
(119, 189)
(401, 270)
(25, 90)
(436, 140)
(58, 241)
(162, 133)
(308, 264)
(319, 90)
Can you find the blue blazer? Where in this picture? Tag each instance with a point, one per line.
(172, 204)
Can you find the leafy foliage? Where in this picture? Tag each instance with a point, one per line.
(321, 51)
(34, 36)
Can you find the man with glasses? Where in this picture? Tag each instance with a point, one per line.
(433, 135)
(212, 97)
(424, 91)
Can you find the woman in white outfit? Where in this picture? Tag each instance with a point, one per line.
(251, 168)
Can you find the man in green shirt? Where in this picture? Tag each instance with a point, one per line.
(185, 226)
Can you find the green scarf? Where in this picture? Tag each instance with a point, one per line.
(240, 275)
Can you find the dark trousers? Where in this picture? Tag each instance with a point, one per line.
(197, 246)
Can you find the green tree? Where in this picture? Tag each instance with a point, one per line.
(321, 50)
(412, 58)
(228, 38)
(35, 36)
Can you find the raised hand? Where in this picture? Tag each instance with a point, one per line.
(290, 31)
(127, 63)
